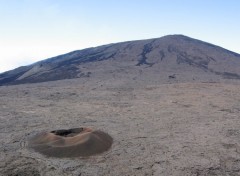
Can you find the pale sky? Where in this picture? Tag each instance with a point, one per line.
(33, 30)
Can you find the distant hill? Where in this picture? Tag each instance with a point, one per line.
(169, 58)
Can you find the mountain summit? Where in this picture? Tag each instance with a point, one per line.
(169, 58)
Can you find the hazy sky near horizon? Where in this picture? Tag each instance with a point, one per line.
(33, 30)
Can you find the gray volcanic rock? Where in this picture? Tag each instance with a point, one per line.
(189, 126)
(173, 57)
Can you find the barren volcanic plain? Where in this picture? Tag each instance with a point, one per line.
(171, 106)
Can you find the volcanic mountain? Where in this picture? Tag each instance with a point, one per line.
(174, 58)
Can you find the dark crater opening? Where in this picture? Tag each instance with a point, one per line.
(71, 142)
(68, 133)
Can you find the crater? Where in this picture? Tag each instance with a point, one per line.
(74, 142)
(69, 132)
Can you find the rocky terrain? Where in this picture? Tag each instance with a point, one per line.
(171, 106)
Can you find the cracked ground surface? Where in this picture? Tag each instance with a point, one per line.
(170, 129)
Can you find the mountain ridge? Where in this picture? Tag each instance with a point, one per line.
(171, 53)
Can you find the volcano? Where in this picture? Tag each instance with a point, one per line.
(169, 58)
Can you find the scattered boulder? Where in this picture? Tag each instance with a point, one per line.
(172, 76)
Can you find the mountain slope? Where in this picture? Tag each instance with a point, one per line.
(173, 57)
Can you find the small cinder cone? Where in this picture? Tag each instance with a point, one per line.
(71, 143)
